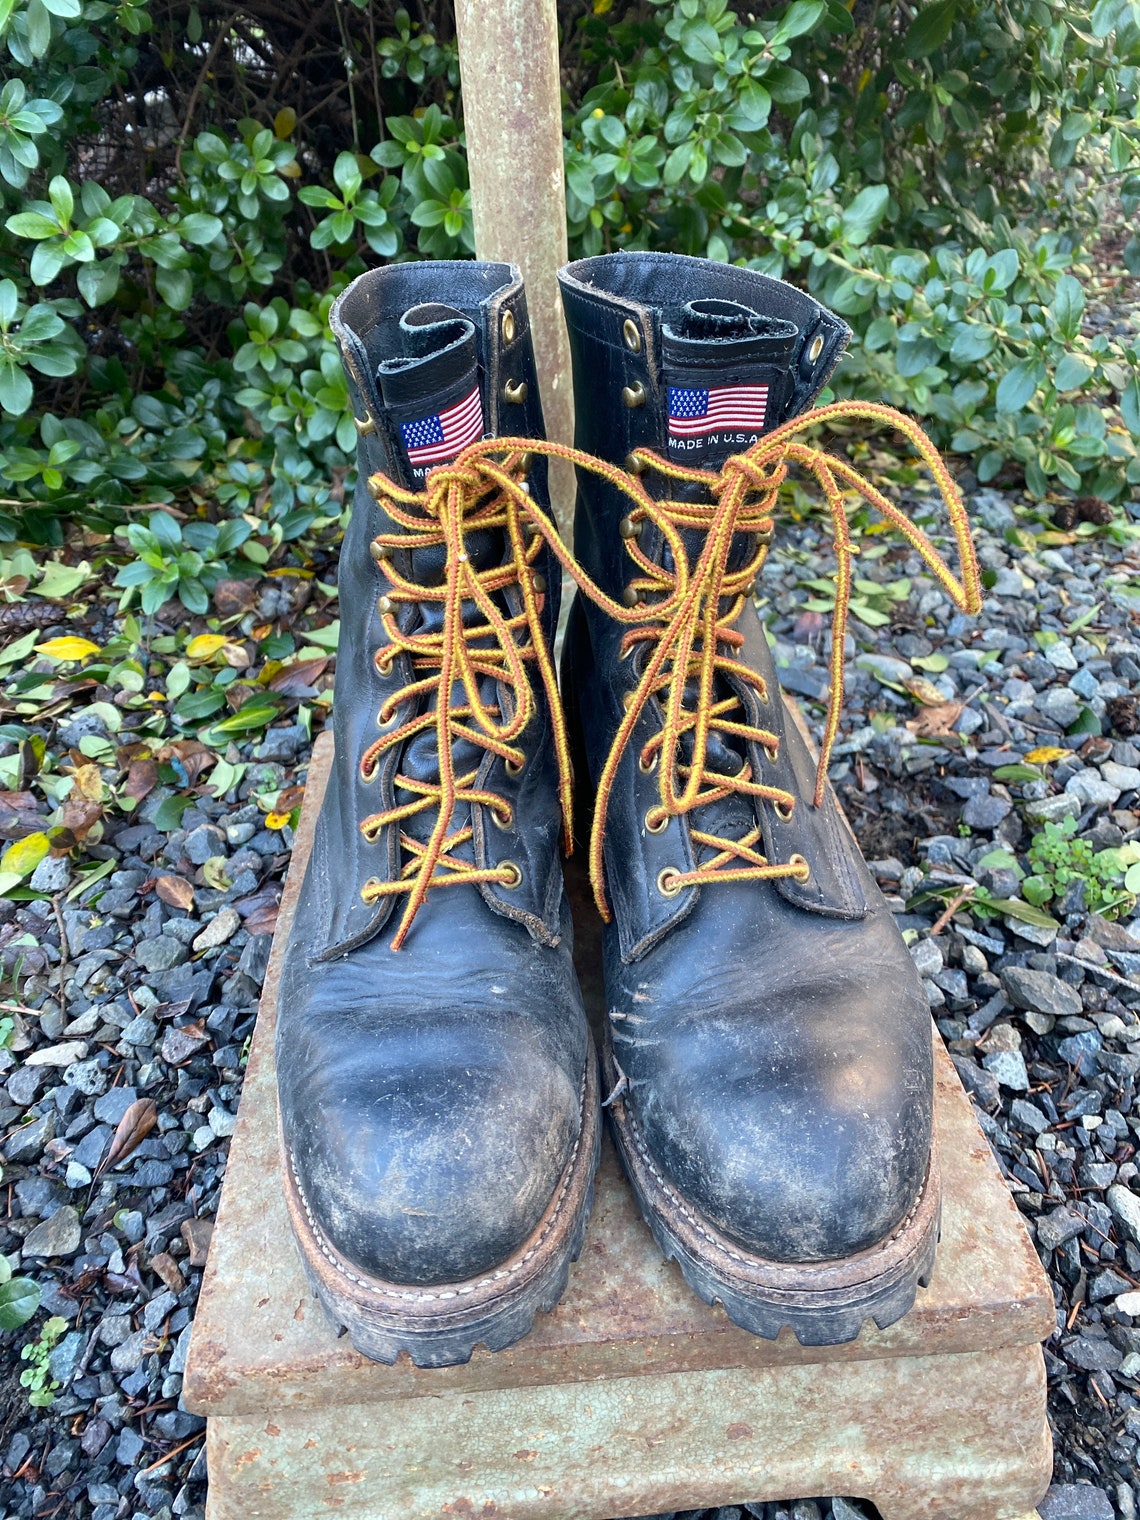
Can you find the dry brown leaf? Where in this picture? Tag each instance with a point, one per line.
(298, 679)
(142, 778)
(935, 722)
(77, 818)
(19, 815)
(132, 1129)
(233, 598)
(175, 891)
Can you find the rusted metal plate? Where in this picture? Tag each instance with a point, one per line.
(930, 1438)
(261, 1343)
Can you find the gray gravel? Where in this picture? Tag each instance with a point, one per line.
(141, 1000)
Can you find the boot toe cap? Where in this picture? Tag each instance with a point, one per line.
(809, 1154)
(432, 1160)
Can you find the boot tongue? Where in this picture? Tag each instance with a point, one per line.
(726, 370)
(432, 391)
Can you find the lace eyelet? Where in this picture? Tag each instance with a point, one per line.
(660, 826)
(384, 659)
(512, 769)
(516, 877)
(803, 869)
(772, 751)
(367, 777)
(390, 722)
(669, 882)
(647, 770)
(504, 825)
(784, 811)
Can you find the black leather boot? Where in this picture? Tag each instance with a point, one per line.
(768, 1044)
(438, 1098)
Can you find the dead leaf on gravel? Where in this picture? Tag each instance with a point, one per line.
(133, 1128)
(19, 815)
(924, 691)
(142, 778)
(175, 891)
(77, 818)
(259, 911)
(191, 754)
(935, 722)
(234, 598)
(298, 679)
(87, 783)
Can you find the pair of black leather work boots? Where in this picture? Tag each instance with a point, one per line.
(767, 1053)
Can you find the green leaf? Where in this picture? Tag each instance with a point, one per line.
(1018, 386)
(19, 1300)
(257, 713)
(168, 814)
(864, 214)
(1072, 372)
(199, 228)
(1068, 306)
(24, 856)
(15, 388)
(1017, 773)
(930, 29)
(31, 224)
(1013, 907)
(1130, 406)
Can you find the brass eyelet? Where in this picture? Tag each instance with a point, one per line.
(384, 659)
(379, 552)
(515, 879)
(630, 597)
(784, 811)
(627, 699)
(367, 777)
(633, 465)
(647, 770)
(365, 426)
(507, 326)
(382, 722)
(539, 583)
(632, 335)
(669, 881)
(512, 769)
(816, 348)
(385, 605)
(633, 395)
(526, 462)
(628, 528)
(514, 392)
(772, 751)
(658, 827)
(803, 869)
(503, 824)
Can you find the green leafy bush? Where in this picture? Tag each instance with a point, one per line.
(184, 190)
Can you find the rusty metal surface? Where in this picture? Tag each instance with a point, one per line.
(261, 1343)
(512, 116)
(943, 1438)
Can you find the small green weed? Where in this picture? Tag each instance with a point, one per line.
(36, 1377)
(1056, 859)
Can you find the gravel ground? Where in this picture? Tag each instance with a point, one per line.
(149, 993)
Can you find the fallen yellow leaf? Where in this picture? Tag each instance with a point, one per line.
(88, 783)
(205, 646)
(70, 647)
(24, 856)
(924, 691)
(1047, 754)
(277, 820)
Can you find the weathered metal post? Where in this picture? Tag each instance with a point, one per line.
(512, 113)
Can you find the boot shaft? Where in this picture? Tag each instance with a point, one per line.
(685, 357)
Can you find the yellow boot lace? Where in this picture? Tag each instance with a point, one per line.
(683, 615)
(459, 499)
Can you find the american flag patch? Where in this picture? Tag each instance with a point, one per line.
(438, 438)
(695, 412)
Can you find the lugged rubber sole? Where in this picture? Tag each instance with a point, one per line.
(824, 1303)
(440, 1326)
